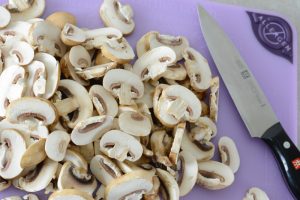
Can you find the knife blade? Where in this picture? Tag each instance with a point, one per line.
(250, 101)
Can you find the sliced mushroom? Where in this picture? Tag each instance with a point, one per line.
(147, 98)
(70, 194)
(71, 35)
(56, 145)
(255, 193)
(153, 194)
(119, 145)
(77, 106)
(205, 129)
(178, 132)
(142, 45)
(16, 30)
(214, 175)
(114, 14)
(229, 153)
(214, 98)
(103, 101)
(100, 193)
(24, 10)
(104, 169)
(59, 19)
(4, 17)
(73, 177)
(91, 129)
(12, 147)
(31, 108)
(36, 80)
(129, 186)
(175, 72)
(34, 154)
(40, 177)
(96, 71)
(100, 59)
(126, 87)
(169, 184)
(134, 123)
(30, 197)
(12, 198)
(4, 184)
(76, 158)
(154, 63)
(87, 151)
(198, 69)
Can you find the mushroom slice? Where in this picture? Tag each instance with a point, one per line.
(206, 125)
(31, 108)
(169, 184)
(96, 71)
(53, 73)
(104, 169)
(38, 178)
(91, 129)
(100, 59)
(255, 193)
(175, 72)
(229, 153)
(70, 194)
(4, 17)
(36, 80)
(79, 57)
(4, 184)
(17, 30)
(34, 154)
(187, 172)
(72, 177)
(147, 98)
(77, 106)
(59, 19)
(12, 147)
(198, 69)
(30, 197)
(103, 101)
(134, 123)
(114, 14)
(142, 45)
(12, 85)
(129, 186)
(56, 145)
(87, 151)
(119, 145)
(12, 198)
(19, 52)
(25, 10)
(214, 175)
(71, 35)
(76, 158)
(100, 193)
(153, 194)
(154, 63)
(177, 43)
(127, 87)
(178, 132)
(214, 98)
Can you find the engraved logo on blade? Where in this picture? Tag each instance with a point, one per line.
(274, 33)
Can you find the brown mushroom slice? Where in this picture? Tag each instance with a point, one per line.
(214, 98)
(4, 184)
(177, 43)
(56, 145)
(255, 193)
(103, 101)
(96, 71)
(229, 153)
(36, 80)
(70, 194)
(154, 63)
(24, 10)
(175, 72)
(198, 69)
(31, 108)
(76, 158)
(71, 35)
(134, 123)
(59, 19)
(104, 169)
(129, 186)
(91, 129)
(77, 106)
(114, 14)
(214, 175)
(73, 177)
(126, 87)
(121, 146)
(34, 154)
(38, 178)
(4, 17)
(12, 147)
(12, 85)
(169, 184)
(178, 132)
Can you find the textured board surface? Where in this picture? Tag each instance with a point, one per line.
(275, 74)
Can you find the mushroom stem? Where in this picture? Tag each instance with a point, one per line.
(125, 94)
(66, 106)
(177, 108)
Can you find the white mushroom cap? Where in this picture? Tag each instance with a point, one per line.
(4, 17)
(229, 153)
(91, 129)
(79, 57)
(198, 69)
(154, 63)
(119, 145)
(70, 194)
(59, 19)
(34, 154)
(56, 145)
(103, 101)
(134, 123)
(114, 14)
(27, 108)
(76, 158)
(256, 193)
(12, 148)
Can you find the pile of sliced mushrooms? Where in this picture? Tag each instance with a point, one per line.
(78, 111)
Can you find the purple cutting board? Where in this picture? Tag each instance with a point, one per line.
(276, 75)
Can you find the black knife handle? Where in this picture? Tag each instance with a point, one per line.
(287, 155)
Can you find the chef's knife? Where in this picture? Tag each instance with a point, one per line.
(250, 100)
